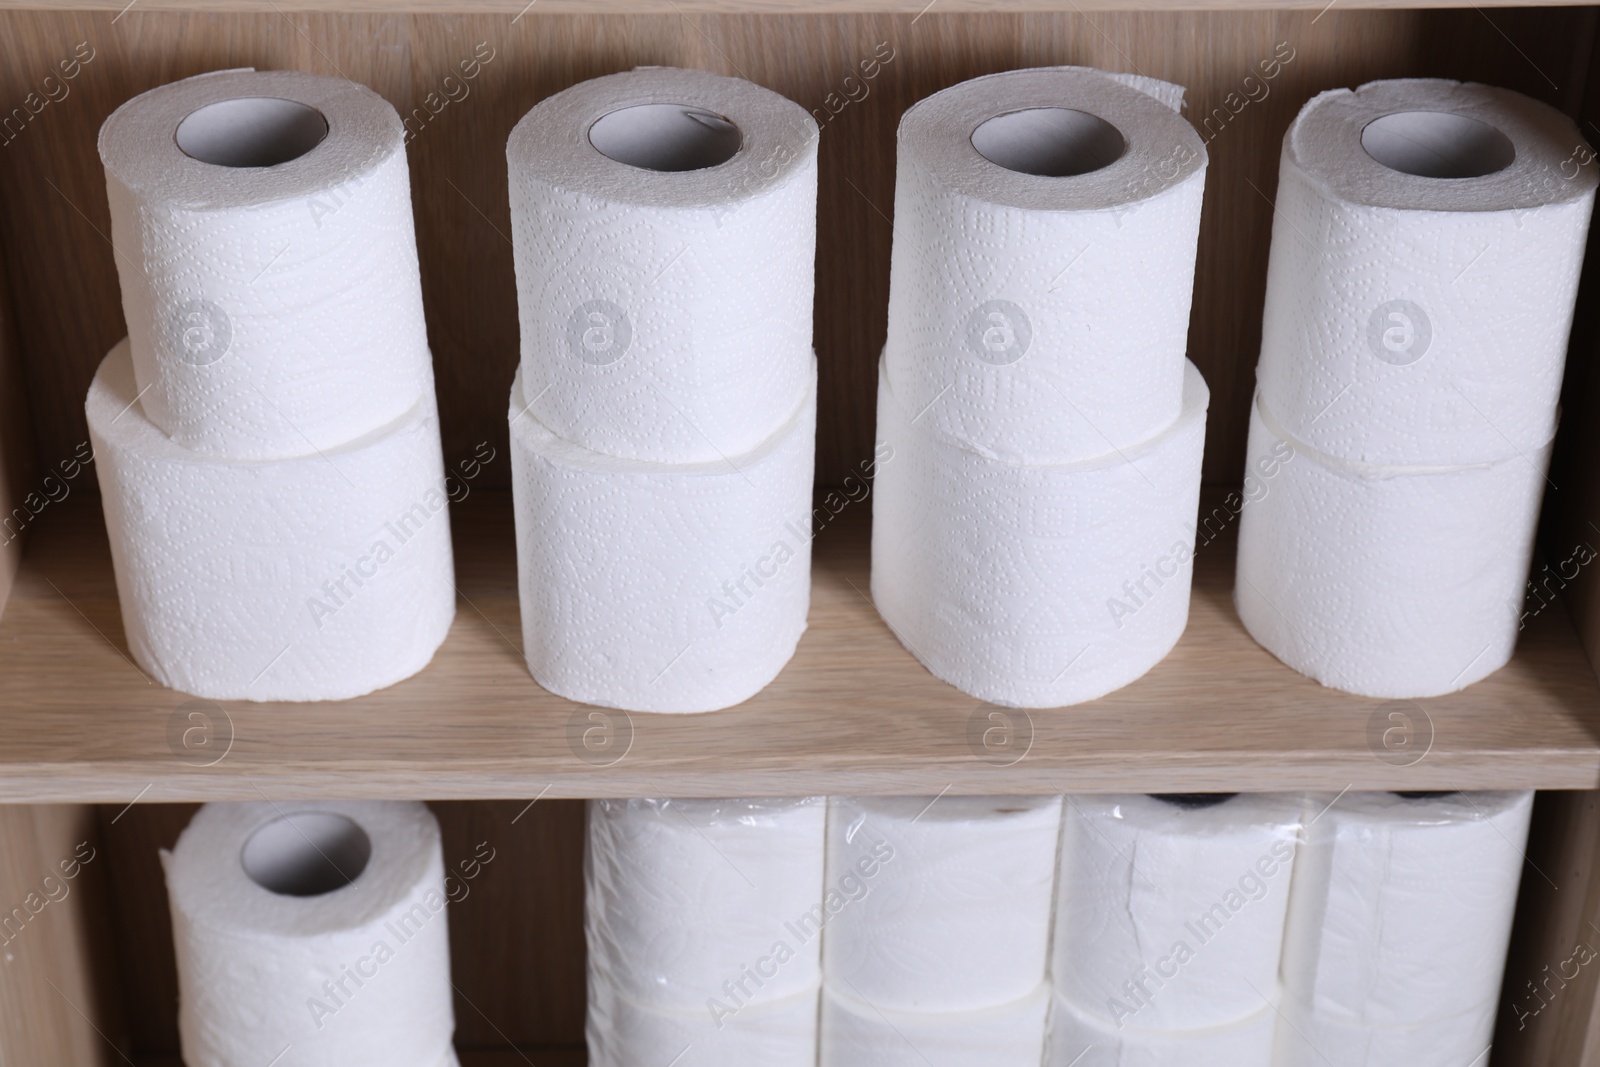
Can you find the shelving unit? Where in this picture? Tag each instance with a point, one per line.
(89, 750)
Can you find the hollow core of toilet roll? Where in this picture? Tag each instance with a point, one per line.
(1050, 142)
(666, 137)
(251, 131)
(306, 854)
(1437, 144)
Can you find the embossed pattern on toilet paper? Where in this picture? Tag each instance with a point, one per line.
(705, 905)
(1307, 1040)
(272, 311)
(1043, 319)
(856, 1034)
(316, 578)
(1414, 320)
(1077, 1040)
(623, 1033)
(1036, 586)
(658, 587)
(1170, 917)
(257, 971)
(665, 316)
(958, 917)
(1389, 583)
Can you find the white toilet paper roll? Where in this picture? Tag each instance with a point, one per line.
(316, 578)
(311, 931)
(664, 228)
(1170, 912)
(855, 1034)
(956, 914)
(705, 905)
(1035, 586)
(1077, 1040)
(1426, 247)
(1401, 907)
(1045, 231)
(262, 221)
(623, 1033)
(662, 587)
(1306, 1040)
(1387, 582)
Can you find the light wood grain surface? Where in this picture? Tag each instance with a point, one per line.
(853, 712)
(735, 7)
(53, 216)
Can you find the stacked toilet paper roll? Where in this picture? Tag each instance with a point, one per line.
(941, 931)
(1398, 924)
(704, 922)
(1045, 232)
(1169, 926)
(1425, 257)
(267, 439)
(313, 933)
(664, 230)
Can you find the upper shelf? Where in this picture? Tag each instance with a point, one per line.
(853, 712)
(910, 8)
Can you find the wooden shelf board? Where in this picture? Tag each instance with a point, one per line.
(853, 712)
(907, 8)
(499, 1058)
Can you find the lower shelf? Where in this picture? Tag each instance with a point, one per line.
(853, 713)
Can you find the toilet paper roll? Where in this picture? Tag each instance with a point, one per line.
(262, 222)
(1170, 917)
(1043, 264)
(311, 931)
(1078, 1040)
(664, 230)
(661, 587)
(954, 913)
(701, 905)
(1426, 247)
(1387, 582)
(1401, 907)
(316, 578)
(623, 1033)
(856, 1034)
(1306, 1040)
(1035, 586)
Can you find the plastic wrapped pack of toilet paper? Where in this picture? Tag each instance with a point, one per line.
(315, 578)
(956, 911)
(856, 1034)
(1035, 586)
(1306, 1040)
(1387, 582)
(624, 1033)
(1043, 265)
(662, 587)
(1079, 1040)
(1401, 908)
(1170, 911)
(314, 932)
(695, 902)
(1426, 247)
(664, 232)
(265, 245)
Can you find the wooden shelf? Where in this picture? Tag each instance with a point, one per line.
(508, 1058)
(853, 712)
(908, 8)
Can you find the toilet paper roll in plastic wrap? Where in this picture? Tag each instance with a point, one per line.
(1305, 1040)
(315, 578)
(664, 231)
(1044, 249)
(856, 1034)
(624, 1033)
(1170, 912)
(1078, 1040)
(1426, 247)
(696, 902)
(1401, 907)
(262, 222)
(1387, 582)
(313, 932)
(955, 914)
(1035, 586)
(662, 587)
